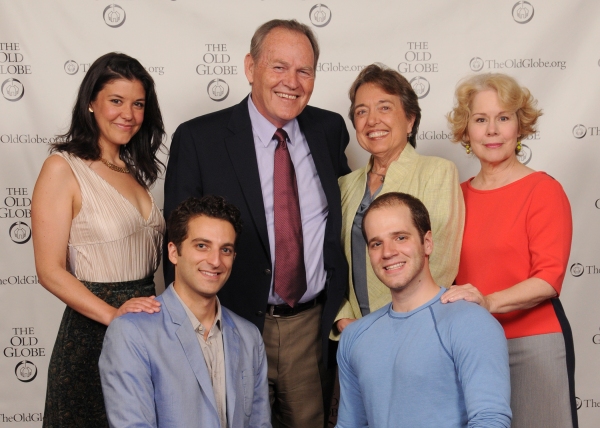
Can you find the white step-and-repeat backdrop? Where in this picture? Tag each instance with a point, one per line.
(194, 50)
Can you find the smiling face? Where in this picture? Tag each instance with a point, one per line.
(380, 121)
(283, 76)
(492, 130)
(204, 262)
(397, 254)
(119, 111)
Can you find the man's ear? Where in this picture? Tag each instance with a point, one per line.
(428, 243)
(172, 249)
(249, 68)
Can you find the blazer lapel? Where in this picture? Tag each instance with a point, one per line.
(240, 146)
(189, 342)
(401, 170)
(231, 345)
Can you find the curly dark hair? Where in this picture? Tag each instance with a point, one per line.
(210, 206)
(81, 139)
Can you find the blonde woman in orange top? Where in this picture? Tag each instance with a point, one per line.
(516, 246)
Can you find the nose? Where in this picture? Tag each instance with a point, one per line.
(291, 79)
(388, 250)
(127, 112)
(214, 257)
(491, 127)
(372, 117)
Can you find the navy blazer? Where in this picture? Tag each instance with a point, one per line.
(154, 375)
(214, 154)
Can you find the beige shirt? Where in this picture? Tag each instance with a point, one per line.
(214, 357)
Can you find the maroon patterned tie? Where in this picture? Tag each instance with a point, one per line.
(290, 274)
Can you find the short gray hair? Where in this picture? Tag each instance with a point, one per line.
(256, 44)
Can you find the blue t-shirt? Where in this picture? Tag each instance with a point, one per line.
(440, 365)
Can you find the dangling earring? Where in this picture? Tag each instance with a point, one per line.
(518, 147)
(90, 109)
(468, 148)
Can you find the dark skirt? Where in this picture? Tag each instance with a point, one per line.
(74, 394)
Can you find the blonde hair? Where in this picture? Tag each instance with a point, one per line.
(511, 95)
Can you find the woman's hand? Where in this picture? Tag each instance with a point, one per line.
(138, 304)
(467, 292)
(342, 323)
(524, 295)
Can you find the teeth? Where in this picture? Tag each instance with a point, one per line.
(376, 134)
(209, 273)
(288, 96)
(397, 265)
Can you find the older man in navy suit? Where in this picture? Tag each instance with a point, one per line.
(194, 363)
(278, 161)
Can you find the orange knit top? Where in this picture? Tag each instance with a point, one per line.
(518, 231)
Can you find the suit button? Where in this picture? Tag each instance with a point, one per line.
(267, 271)
(260, 313)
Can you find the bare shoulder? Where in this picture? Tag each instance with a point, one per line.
(56, 168)
(56, 182)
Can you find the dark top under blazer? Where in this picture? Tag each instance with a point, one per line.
(214, 154)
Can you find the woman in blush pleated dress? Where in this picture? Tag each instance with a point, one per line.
(97, 232)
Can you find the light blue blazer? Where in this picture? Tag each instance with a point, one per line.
(154, 375)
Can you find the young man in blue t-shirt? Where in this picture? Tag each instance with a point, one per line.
(416, 362)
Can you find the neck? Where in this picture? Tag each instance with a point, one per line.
(495, 175)
(204, 308)
(421, 290)
(381, 162)
(110, 153)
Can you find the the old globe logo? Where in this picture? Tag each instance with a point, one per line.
(421, 86)
(522, 12)
(114, 15)
(579, 131)
(524, 155)
(320, 15)
(476, 64)
(218, 89)
(20, 232)
(12, 89)
(577, 269)
(71, 67)
(25, 371)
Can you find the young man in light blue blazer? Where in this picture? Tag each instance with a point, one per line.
(194, 363)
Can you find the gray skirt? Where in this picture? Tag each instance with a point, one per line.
(539, 378)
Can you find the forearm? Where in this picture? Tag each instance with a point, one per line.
(523, 295)
(75, 295)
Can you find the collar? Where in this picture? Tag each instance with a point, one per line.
(264, 130)
(407, 157)
(197, 325)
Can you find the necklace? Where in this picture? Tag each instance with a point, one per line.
(380, 175)
(115, 167)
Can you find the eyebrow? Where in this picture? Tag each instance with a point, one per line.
(378, 102)
(121, 97)
(208, 241)
(396, 233)
(501, 112)
(287, 64)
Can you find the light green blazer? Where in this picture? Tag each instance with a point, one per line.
(435, 182)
